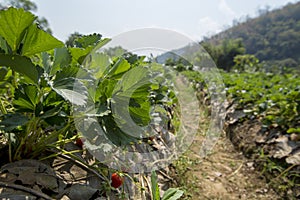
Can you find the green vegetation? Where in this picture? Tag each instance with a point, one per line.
(43, 82)
(38, 74)
(259, 62)
(225, 53)
(274, 36)
(170, 194)
(274, 101)
(272, 98)
(28, 6)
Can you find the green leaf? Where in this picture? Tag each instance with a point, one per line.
(133, 91)
(3, 73)
(88, 40)
(37, 41)
(62, 58)
(293, 130)
(65, 88)
(114, 133)
(119, 67)
(13, 23)
(79, 54)
(97, 63)
(140, 114)
(23, 104)
(32, 93)
(66, 72)
(21, 65)
(12, 121)
(69, 86)
(26, 97)
(52, 99)
(172, 194)
(133, 79)
(104, 90)
(154, 186)
(46, 62)
(4, 46)
(101, 43)
(52, 112)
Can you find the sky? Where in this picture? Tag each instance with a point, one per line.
(193, 18)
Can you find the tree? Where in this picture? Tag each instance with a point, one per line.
(179, 64)
(72, 38)
(25, 4)
(224, 53)
(28, 6)
(272, 36)
(230, 49)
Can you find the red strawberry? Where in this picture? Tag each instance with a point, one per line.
(116, 180)
(79, 142)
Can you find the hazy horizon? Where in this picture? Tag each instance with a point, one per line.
(192, 18)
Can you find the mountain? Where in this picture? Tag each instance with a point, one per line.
(273, 36)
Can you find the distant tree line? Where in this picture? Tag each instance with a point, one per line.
(273, 37)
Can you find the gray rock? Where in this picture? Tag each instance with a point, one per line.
(5, 196)
(79, 192)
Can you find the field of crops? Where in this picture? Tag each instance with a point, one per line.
(52, 94)
(263, 122)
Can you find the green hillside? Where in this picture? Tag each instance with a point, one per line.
(274, 36)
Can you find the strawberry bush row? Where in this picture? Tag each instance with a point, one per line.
(43, 83)
(273, 98)
(37, 80)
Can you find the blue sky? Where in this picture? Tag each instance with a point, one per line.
(194, 18)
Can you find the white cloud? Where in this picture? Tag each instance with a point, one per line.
(225, 9)
(208, 26)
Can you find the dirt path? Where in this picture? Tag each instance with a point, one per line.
(224, 174)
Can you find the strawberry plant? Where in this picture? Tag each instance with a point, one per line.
(45, 84)
(37, 76)
(24, 122)
(170, 194)
(274, 98)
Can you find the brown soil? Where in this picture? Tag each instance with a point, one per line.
(224, 174)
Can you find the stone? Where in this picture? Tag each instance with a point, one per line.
(294, 159)
(79, 192)
(47, 181)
